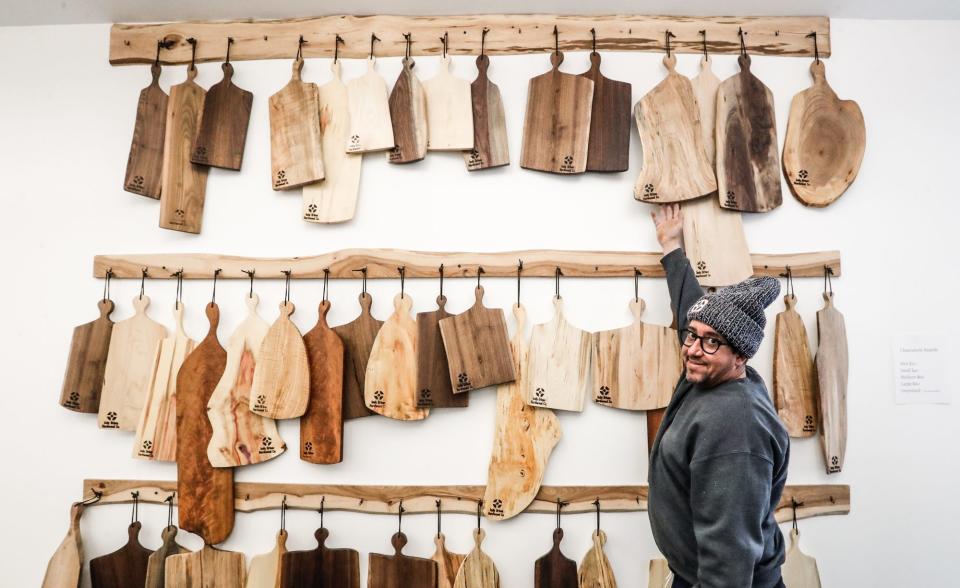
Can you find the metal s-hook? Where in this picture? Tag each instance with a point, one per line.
(135, 515)
(373, 39)
(668, 36)
(445, 39)
(556, 40)
(336, 47)
(300, 43)
(483, 39)
(143, 279)
(816, 49)
(519, 270)
(169, 501)
(229, 42)
(193, 52)
(593, 35)
(743, 46)
(403, 278)
(213, 297)
(556, 278)
(250, 274)
(408, 37)
(106, 284)
(703, 34)
(326, 282)
(286, 285)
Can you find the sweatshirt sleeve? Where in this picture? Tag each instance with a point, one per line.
(683, 286)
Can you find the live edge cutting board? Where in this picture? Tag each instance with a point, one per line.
(63, 569)
(448, 564)
(281, 383)
(184, 183)
(477, 347)
(296, 157)
(595, 570)
(478, 569)
(83, 379)
(208, 568)
(390, 386)
(559, 365)
(794, 374)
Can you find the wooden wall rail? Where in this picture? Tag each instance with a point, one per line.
(383, 263)
(813, 500)
(508, 34)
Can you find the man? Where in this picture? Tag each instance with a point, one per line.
(719, 461)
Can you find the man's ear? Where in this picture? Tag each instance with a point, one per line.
(740, 360)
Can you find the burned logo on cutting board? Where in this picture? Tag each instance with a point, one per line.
(424, 398)
(146, 449)
(539, 397)
(73, 401)
(475, 161)
(731, 201)
(603, 396)
(463, 383)
(809, 424)
(111, 421)
(281, 180)
(354, 144)
(307, 449)
(136, 184)
(649, 192)
(567, 166)
(834, 465)
(395, 154)
(702, 270)
(377, 401)
(802, 179)
(311, 212)
(496, 508)
(260, 405)
(266, 447)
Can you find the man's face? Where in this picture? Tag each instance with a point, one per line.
(710, 369)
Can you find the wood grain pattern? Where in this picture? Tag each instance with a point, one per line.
(399, 570)
(334, 199)
(490, 147)
(157, 562)
(86, 362)
(609, 147)
(204, 493)
(478, 569)
(145, 162)
(795, 391)
(223, 124)
(321, 427)
(449, 110)
(64, 567)
(296, 156)
(433, 370)
(478, 351)
(555, 570)
(825, 141)
(208, 568)
(659, 575)
(448, 564)
(156, 436)
(832, 366)
(281, 383)
(748, 166)
(390, 386)
(595, 570)
(369, 106)
(408, 115)
(654, 420)
(524, 438)
(675, 166)
(357, 336)
(559, 363)
(184, 183)
(799, 570)
(240, 436)
(130, 360)
(265, 570)
(321, 567)
(556, 126)
(124, 567)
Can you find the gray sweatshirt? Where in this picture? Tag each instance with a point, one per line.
(717, 470)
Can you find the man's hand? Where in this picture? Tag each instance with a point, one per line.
(669, 222)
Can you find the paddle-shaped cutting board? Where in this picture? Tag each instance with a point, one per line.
(124, 567)
(408, 115)
(390, 386)
(240, 436)
(449, 110)
(87, 361)
(794, 374)
(675, 165)
(145, 162)
(748, 166)
(130, 361)
(433, 370)
(478, 570)
(265, 570)
(524, 437)
(205, 493)
(478, 350)
(799, 570)
(184, 183)
(296, 157)
(555, 570)
(223, 125)
(826, 138)
(559, 363)
(357, 337)
(636, 367)
(208, 568)
(399, 570)
(157, 563)
(448, 564)
(609, 147)
(660, 575)
(156, 436)
(321, 427)
(369, 106)
(63, 569)
(321, 567)
(489, 123)
(832, 366)
(595, 570)
(556, 126)
(281, 384)
(334, 199)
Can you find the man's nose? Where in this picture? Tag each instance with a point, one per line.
(696, 349)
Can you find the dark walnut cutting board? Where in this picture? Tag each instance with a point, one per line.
(223, 125)
(357, 336)
(296, 157)
(433, 370)
(399, 570)
(124, 567)
(321, 427)
(184, 183)
(489, 123)
(408, 115)
(321, 567)
(609, 147)
(86, 362)
(145, 162)
(478, 350)
(794, 373)
(555, 570)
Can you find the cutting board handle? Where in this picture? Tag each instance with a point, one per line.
(637, 306)
(178, 319)
(296, 69)
(155, 74)
(557, 537)
(191, 72)
(227, 72)
(322, 311)
(790, 301)
(105, 307)
(252, 302)
(670, 62)
(133, 533)
(478, 295)
(140, 303)
(556, 59)
(744, 61)
(286, 309)
(441, 301)
(335, 69)
(819, 72)
(828, 299)
(483, 62)
(402, 303)
(213, 315)
(520, 315)
(478, 536)
(398, 541)
(408, 63)
(366, 301)
(321, 535)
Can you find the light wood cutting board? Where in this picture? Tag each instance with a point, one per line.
(126, 377)
(157, 563)
(448, 564)
(124, 567)
(490, 147)
(89, 348)
(675, 165)
(449, 110)
(64, 567)
(832, 365)
(281, 383)
(433, 370)
(369, 106)
(223, 125)
(390, 386)
(208, 568)
(478, 350)
(408, 115)
(357, 336)
(184, 183)
(265, 569)
(559, 363)
(660, 575)
(478, 569)
(795, 391)
(609, 149)
(321, 427)
(399, 570)
(321, 567)
(240, 436)
(799, 570)
(555, 570)
(145, 161)
(595, 570)
(296, 157)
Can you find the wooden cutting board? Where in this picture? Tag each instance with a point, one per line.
(433, 370)
(334, 199)
(478, 569)
(157, 563)
(556, 126)
(321, 567)
(369, 106)
(636, 367)
(208, 568)
(205, 493)
(524, 437)
(184, 183)
(449, 110)
(794, 374)
(64, 567)
(826, 138)
(223, 125)
(281, 383)
(321, 427)
(87, 361)
(357, 337)
(296, 157)
(748, 166)
(595, 570)
(265, 570)
(713, 237)
(145, 162)
(799, 570)
(555, 570)
(130, 361)
(399, 570)
(448, 564)
(490, 147)
(660, 575)
(390, 386)
(156, 436)
(675, 165)
(559, 363)
(478, 350)
(408, 115)
(832, 364)
(609, 147)
(124, 567)
(240, 436)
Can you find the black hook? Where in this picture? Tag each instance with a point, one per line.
(519, 269)
(363, 270)
(286, 293)
(157, 60)
(336, 47)
(438, 517)
(136, 503)
(326, 282)
(556, 277)
(445, 39)
(827, 281)
(816, 50)
(743, 46)
(789, 276)
(593, 34)
(559, 506)
(283, 515)
(596, 503)
(409, 39)
(213, 298)
(250, 274)
(179, 298)
(794, 504)
(636, 284)
(300, 43)
(668, 35)
(97, 495)
(193, 52)
(106, 284)
(556, 40)
(403, 276)
(400, 517)
(479, 508)
(441, 280)
(169, 501)
(323, 499)
(373, 39)
(229, 42)
(483, 39)
(143, 279)
(480, 270)
(703, 34)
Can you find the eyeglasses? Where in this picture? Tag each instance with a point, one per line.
(710, 345)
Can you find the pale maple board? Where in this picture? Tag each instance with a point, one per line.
(369, 106)
(478, 569)
(448, 564)
(145, 162)
(157, 562)
(595, 569)
(265, 569)
(87, 359)
(223, 124)
(795, 392)
(659, 575)
(832, 366)
(559, 364)
(208, 568)
(390, 385)
(478, 350)
(799, 570)
(449, 110)
(408, 116)
(296, 156)
(184, 183)
(490, 148)
(321, 427)
(63, 569)
(281, 383)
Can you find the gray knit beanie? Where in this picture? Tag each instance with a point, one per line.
(736, 312)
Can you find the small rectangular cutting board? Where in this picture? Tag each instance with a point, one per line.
(321, 567)
(795, 391)
(477, 347)
(368, 100)
(86, 362)
(433, 370)
(184, 183)
(399, 570)
(449, 111)
(296, 157)
(490, 147)
(145, 162)
(832, 366)
(559, 364)
(223, 125)
(609, 147)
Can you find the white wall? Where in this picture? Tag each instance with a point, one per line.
(66, 118)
